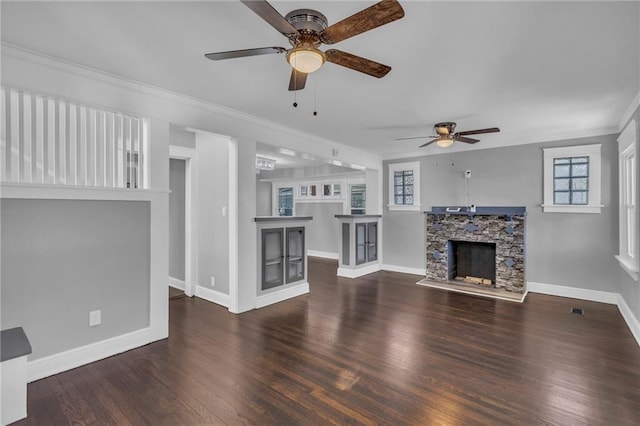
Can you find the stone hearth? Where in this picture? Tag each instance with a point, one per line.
(502, 226)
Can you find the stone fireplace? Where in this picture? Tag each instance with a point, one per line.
(481, 250)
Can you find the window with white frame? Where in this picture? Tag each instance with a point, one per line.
(404, 186)
(572, 179)
(628, 250)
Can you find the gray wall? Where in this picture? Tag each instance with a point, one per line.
(573, 250)
(213, 226)
(181, 137)
(62, 259)
(322, 232)
(263, 197)
(177, 170)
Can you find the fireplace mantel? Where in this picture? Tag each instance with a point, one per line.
(502, 226)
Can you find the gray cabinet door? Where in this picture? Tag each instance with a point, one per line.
(272, 258)
(366, 242)
(372, 241)
(294, 265)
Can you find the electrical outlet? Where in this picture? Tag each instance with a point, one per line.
(95, 318)
(213, 281)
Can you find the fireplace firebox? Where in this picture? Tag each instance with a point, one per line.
(472, 259)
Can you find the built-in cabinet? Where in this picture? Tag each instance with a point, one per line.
(282, 260)
(366, 242)
(359, 246)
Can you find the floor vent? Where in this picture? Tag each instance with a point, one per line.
(578, 311)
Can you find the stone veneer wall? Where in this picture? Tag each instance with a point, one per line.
(507, 232)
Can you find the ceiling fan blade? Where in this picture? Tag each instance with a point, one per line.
(244, 52)
(479, 131)
(357, 63)
(372, 17)
(415, 137)
(465, 139)
(264, 10)
(428, 143)
(297, 81)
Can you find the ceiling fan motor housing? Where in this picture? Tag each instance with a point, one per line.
(307, 20)
(445, 128)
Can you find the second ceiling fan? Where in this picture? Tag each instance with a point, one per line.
(446, 136)
(307, 29)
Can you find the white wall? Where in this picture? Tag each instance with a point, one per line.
(213, 223)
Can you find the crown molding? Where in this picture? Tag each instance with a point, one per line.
(506, 141)
(27, 55)
(628, 113)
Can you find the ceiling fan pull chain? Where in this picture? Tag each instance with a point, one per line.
(315, 97)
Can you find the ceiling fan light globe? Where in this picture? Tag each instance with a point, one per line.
(445, 142)
(305, 59)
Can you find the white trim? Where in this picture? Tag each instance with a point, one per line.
(358, 272)
(76, 357)
(280, 295)
(571, 208)
(631, 320)
(214, 296)
(593, 296)
(628, 113)
(190, 156)
(574, 292)
(176, 283)
(594, 152)
(628, 241)
(473, 293)
(628, 267)
(404, 269)
(234, 291)
(323, 254)
(394, 167)
(62, 192)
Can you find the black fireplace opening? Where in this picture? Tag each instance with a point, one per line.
(472, 261)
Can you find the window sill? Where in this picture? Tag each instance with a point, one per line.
(395, 207)
(628, 267)
(552, 208)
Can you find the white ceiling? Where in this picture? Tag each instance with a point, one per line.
(538, 70)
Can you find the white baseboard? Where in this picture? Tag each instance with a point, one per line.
(404, 269)
(284, 294)
(176, 283)
(593, 296)
(574, 292)
(323, 254)
(63, 361)
(358, 272)
(632, 321)
(212, 296)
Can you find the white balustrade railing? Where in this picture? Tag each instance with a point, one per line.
(46, 140)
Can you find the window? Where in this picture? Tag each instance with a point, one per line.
(358, 198)
(404, 186)
(337, 191)
(285, 201)
(572, 179)
(304, 190)
(628, 250)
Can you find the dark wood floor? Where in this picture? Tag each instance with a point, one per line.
(375, 350)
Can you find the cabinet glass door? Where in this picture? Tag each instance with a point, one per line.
(272, 258)
(295, 254)
(372, 241)
(361, 243)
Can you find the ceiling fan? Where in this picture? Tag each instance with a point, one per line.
(446, 136)
(307, 29)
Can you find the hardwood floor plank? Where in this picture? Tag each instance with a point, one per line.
(374, 350)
